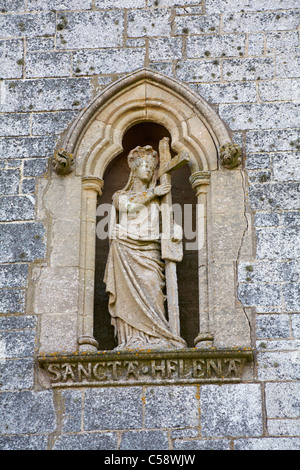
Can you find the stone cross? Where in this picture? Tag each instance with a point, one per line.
(171, 248)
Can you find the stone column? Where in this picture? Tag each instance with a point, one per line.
(200, 181)
(91, 187)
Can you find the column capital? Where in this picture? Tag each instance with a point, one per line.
(200, 180)
(92, 183)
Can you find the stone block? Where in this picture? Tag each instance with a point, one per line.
(291, 295)
(260, 116)
(280, 41)
(283, 427)
(278, 366)
(278, 243)
(228, 92)
(12, 5)
(280, 90)
(31, 442)
(108, 61)
(9, 181)
(256, 44)
(266, 219)
(144, 440)
(116, 4)
(48, 64)
(13, 276)
(287, 65)
(268, 443)
(12, 58)
(28, 185)
(291, 219)
(37, 24)
(16, 374)
(39, 44)
(26, 147)
(20, 242)
(40, 5)
(87, 441)
(274, 196)
(14, 124)
(17, 208)
(198, 71)
(296, 325)
(203, 444)
(17, 343)
(248, 69)
(171, 407)
(165, 49)
(286, 166)
(121, 408)
(35, 166)
(261, 21)
(49, 94)
(271, 140)
(200, 24)
(169, 3)
(72, 409)
(272, 326)
(231, 410)
(259, 294)
(56, 290)
(37, 414)
(277, 404)
(58, 331)
(17, 322)
(79, 30)
(149, 23)
(216, 45)
(12, 301)
(51, 123)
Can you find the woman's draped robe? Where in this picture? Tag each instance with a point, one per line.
(134, 279)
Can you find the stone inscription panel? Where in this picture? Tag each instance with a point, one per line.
(142, 367)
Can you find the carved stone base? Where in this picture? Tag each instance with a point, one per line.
(88, 344)
(109, 368)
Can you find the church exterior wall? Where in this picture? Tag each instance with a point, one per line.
(243, 58)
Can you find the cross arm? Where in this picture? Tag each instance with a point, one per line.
(176, 162)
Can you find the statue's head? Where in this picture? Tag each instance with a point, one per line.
(143, 162)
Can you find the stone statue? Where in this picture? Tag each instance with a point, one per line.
(135, 270)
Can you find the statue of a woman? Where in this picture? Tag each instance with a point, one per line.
(134, 274)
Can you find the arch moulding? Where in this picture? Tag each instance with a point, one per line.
(67, 206)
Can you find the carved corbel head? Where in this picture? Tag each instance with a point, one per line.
(230, 155)
(62, 162)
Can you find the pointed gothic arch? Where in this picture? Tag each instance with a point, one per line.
(94, 139)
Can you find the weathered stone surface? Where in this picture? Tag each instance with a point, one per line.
(272, 326)
(198, 70)
(40, 5)
(86, 441)
(95, 29)
(16, 374)
(12, 59)
(165, 49)
(284, 427)
(17, 208)
(17, 343)
(279, 365)
(171, 407)
(51, 123)
(50, 64)
(13, 26)
(47, 94)
(197, 24)
(108, 61)
(37, 412)
(26, 147)
(9, 181)
(120, 409)
(228, 92)
(231, 410)
(269, 443)
(14, 124)
(277, 405)
(14, 275)
(12, 301)
(149, 23)
(203, 444)
(145, 440)
(21, 242)
(248, 69)
(265, 21)
(216, 46)
(31, 442)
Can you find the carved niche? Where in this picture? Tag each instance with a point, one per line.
(186, 132)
